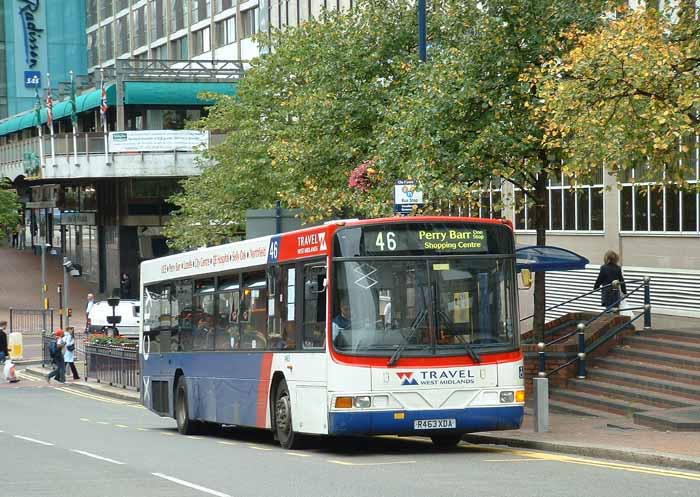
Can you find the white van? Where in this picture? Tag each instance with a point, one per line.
(129, 310)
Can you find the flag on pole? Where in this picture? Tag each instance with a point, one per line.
(49, 107)
(73, 105)
(37, 107)
(103, 105)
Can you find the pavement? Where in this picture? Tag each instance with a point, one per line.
(21, 287)
(615, 438)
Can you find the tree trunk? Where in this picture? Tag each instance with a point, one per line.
(541, 222)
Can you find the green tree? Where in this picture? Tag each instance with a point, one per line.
(342, 107)
(9, 207)
(472, 112)
(628, 96)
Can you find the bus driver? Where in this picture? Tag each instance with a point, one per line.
(342, 320)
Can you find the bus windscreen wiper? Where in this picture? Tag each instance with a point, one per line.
(472, 353)
(414, 327)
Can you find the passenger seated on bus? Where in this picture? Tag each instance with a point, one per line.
(341, 321)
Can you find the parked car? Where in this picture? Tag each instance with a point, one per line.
(129, 310)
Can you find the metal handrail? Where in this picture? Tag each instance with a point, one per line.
(583, 351)
(600, 288)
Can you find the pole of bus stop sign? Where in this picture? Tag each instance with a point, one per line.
(422, 44)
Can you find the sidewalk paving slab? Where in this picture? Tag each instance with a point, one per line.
(90, 385)
(616, 438)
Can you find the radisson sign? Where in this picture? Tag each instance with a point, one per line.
(28, 13)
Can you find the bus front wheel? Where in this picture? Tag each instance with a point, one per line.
(185, 425)
(287, 437)
(446, 441)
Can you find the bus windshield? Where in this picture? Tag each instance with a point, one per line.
(430, 305)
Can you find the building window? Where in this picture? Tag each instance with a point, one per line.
(120, 5)
(140, 27)
(158, 20)
(201, 9)
(226, 32)
(201, 41)
(160, 53)
(93, 59)
(91, 12)
(178, 20)
(249, 22)
(658, 207)
(572, 207)
(486, 202)
(123, 34)
(105, 9)
(222, 5)
(107, 43)
(178, 49)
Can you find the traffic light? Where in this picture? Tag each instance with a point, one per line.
(69, 312)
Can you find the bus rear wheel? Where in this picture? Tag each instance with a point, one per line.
(286, 436)
(185, 425)
(446, 440)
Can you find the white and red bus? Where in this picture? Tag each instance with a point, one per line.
(384, 326)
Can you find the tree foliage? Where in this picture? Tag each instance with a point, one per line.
(9, 207)
(628, 96)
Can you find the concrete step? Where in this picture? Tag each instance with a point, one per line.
(578, 410)
(664, 386)
(649, 370)
(691, 336)
(631, 394)
(598, 402)
(665, 345)
(656, 357)
(682, 419)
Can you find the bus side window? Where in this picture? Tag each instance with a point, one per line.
(253, 313)
(314, 306)
(282, 331)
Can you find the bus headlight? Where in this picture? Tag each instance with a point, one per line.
(362, 402)
(507, 397)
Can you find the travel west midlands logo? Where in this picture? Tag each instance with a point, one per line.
(407, 378)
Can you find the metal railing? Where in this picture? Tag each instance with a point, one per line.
(31, 321)
(580, 331)
(112, 364)
(80, 344)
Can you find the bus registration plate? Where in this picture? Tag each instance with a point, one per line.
(434, 424)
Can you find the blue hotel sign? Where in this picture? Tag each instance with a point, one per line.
(32, 79)
(28, 12)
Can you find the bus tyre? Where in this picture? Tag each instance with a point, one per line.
(446, 440)
(185, 425)
(288, 439)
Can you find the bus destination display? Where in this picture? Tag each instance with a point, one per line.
(384, 240)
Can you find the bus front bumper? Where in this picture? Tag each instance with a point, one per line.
(399, 422)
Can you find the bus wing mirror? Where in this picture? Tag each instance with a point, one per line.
(526, 278)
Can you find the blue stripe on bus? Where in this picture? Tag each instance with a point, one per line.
(469, 420)
(222, 387)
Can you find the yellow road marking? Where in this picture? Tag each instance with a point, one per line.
(121, 426)
(143, 429)
(297, 454)
(513, 460)
(167, 433)
(98, 397)
(611, 465)
(102, 423)
(228, 443)
(258, 448)
(85, 419)
(27, 376)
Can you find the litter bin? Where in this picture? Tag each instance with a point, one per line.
(15, 346)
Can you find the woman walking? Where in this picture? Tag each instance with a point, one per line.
(69, 352)
(609, 272)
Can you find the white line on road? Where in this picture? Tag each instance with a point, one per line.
(228, 443)
(258, 448)
(347, 463)
(33, 440)
(191, 485)
(95, 456)
(297, 454)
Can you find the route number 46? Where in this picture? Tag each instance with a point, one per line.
(389, 244)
